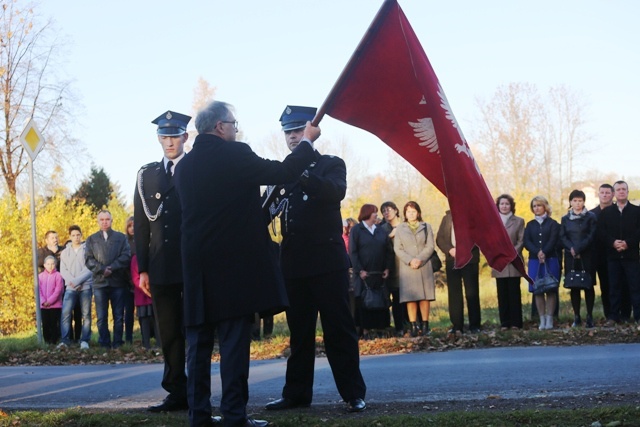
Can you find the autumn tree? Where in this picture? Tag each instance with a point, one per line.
(530, 144)
(17, 303)
(31, 87)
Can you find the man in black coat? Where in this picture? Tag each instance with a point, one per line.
(315, 266)
(229, 265)
(619, 230)
(156, 229)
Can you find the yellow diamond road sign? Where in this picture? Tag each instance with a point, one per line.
(32, 139)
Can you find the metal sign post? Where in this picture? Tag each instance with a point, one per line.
(33, 142)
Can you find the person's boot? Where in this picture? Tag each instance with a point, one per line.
(577, 321)
(425, 328)
(415, 331)
(589, 323)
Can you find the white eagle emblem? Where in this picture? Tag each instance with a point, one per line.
(460, 148)
(425, 132)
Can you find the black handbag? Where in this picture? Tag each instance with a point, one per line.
(375, 294)
(544, 283)
(436, 263)
(577, 278)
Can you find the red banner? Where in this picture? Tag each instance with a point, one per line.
(390, 89)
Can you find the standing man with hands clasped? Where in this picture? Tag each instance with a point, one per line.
(315, 266)
(157, 220)
(619, 230)
(230, 269)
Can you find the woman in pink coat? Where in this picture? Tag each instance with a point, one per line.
(50, 285)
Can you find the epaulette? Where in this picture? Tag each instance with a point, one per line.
(149, 165)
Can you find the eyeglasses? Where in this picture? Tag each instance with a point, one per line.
(234, 123)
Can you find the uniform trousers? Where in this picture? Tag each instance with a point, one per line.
(234, 336)
(326, 294)
(168, 311)
(469, 274)
(509, 301)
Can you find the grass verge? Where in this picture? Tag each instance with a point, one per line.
(605, 417)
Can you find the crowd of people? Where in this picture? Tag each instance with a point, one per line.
(601, 245)
(100, 269)
(192, 275)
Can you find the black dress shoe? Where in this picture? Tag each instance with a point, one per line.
(169, 405)
(285, 403)
(216, 421)
(256, 423)
(357, 405)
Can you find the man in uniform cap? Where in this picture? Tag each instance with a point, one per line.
(315, 266)
(157, 221)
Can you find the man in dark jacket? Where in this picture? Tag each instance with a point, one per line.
(230, 270)
(315, 266)
(619, 230)
(156, 228)
(108, 256)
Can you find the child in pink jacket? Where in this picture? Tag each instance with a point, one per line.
(51, 286)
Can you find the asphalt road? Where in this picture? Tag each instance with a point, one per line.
(511, 373)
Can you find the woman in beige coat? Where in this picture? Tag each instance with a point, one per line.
(508, 280)
(413, 245)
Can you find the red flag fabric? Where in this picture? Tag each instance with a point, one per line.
(390, 89)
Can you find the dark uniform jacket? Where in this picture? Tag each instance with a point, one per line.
(311, 223)
(158, 241)
(229, 267)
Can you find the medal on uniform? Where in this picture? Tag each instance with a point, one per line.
(282, 191)
(305, 197)
(158, 196)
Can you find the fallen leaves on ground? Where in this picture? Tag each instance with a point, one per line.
(278, 347)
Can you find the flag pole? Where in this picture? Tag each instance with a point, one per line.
(373, 28)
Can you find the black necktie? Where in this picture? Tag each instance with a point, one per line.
(169, 174)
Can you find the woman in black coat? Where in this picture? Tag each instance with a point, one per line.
(541, 237)
(577, 233)
(372, 257)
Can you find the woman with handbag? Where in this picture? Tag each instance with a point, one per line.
(414, 245)
(577, 233)
(372, 258)
(541, 237)
(508, 280)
